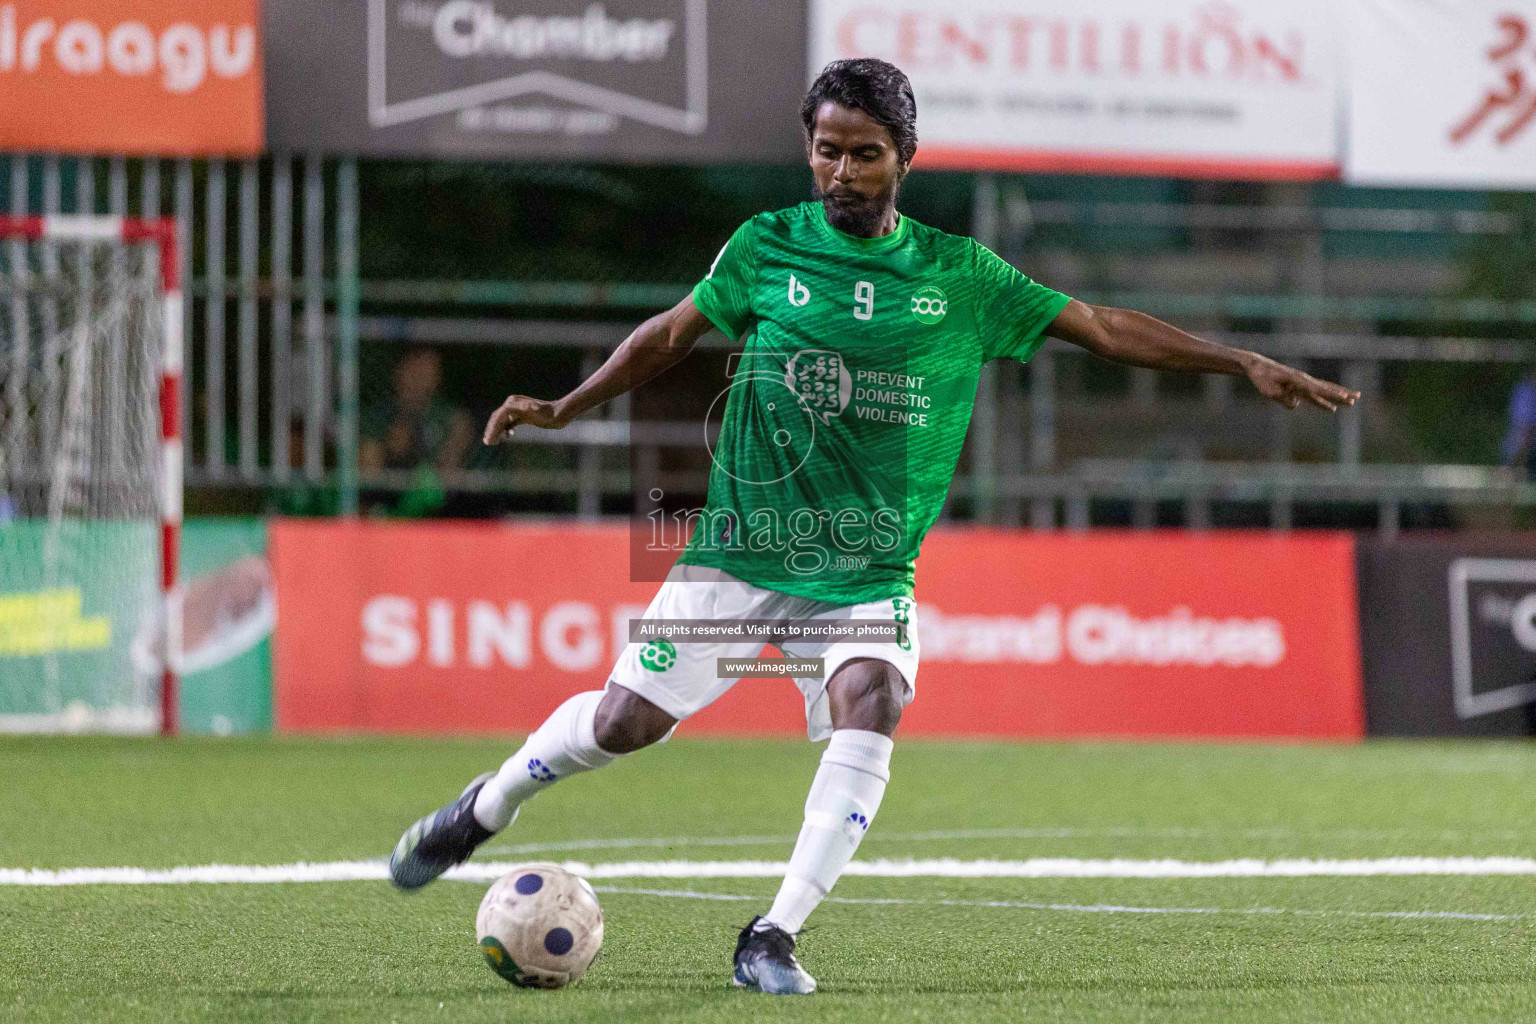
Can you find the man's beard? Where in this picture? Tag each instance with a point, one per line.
(854, 213)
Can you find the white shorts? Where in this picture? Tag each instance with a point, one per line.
(691, 683)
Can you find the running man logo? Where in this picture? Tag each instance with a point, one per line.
(929, 304)
(658, 655)
(799, 294)
(1514, 63)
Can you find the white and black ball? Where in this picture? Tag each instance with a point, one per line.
(540, 926)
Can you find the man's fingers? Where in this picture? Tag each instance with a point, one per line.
(1330, 395)
(1336, 393)
(500, 426)
(1322, 393)
(1289, 387)
(516, 411)
(1341, 395)
(1316, 392)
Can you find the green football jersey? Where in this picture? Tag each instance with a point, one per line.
(844, 416)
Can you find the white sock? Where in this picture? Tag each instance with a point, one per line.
(566, 744)
(844, 798)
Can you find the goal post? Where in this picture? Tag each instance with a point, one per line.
(90, 473)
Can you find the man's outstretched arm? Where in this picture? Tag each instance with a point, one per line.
(656, 345)
(1126, 336)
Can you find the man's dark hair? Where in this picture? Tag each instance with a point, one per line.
(872, 86)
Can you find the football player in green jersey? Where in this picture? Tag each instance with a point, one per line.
(864, 334)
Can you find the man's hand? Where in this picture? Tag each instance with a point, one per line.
(1290, 387)
(653, 347)
(520, 409)
(1126, 336)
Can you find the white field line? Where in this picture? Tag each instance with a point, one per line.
(1044, 832)
(1086, 908)
(1040, 867)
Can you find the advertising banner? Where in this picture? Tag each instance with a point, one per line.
(1232, 89)
(1448, 635)
(1442, 93)
(460, 627)
(1138, 634)
(82, 625)
(79, 604)
(229, 610)
(173, 77)
(674, 81)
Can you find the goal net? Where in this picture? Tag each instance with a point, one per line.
(90, 474)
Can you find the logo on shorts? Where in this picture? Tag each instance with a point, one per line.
(658, 655)
(929, 304)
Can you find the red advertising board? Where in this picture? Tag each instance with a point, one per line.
(1120, 633)
(467, 627)
(159, 77)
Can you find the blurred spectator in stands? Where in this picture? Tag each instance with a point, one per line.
(1520, 440)
(301, 496)
(418, 431)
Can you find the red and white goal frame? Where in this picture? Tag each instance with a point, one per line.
(160, 232)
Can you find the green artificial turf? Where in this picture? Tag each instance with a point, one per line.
(1233, 949)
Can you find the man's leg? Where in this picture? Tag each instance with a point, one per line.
(588, 731)
(865, 697)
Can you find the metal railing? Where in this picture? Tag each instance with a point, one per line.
(1057, 494)
(1221, 217)
(276, 319)
(268, 246)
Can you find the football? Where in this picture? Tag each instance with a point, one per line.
(540, 926)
